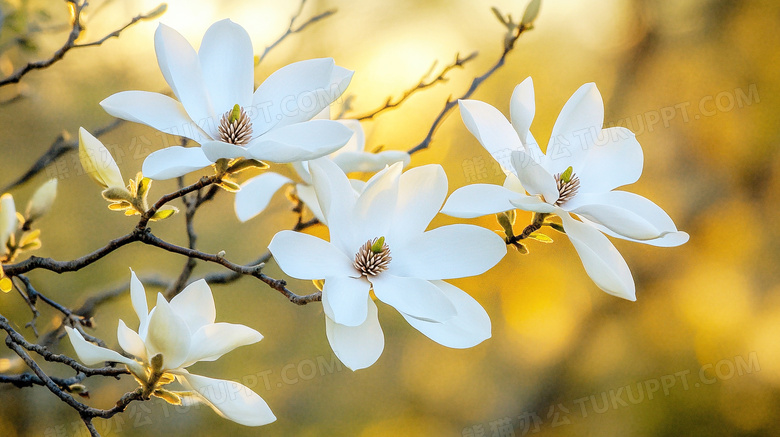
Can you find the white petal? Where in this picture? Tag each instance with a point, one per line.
(522, 108)
(470, 327)
(344, 299)
(669, 239)
(214, 340)
(413, 296)
(97, 161)
(603, 263)
(453, 251)
(130, 341)
(304, 256)
(300, 142)
(172, 162)
(532, 203)
(367, 162)
(623, 213)
(91, 354)
(615, 159)
(168, 335)
(492, 129)
(297, 92)
(8, 220)
(479, 199)
(214, 150)
(309, 197)
(421, 192)
(373, 214)
(138, 298)
(227, 61)
(627, 215)
(535, 178)
(256, 194)
(154, 110)
(357, 346)
(337, 201)
(572, 136)
(180, 66)
(195, 305)
(230, 399)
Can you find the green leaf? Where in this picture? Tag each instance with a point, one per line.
(531, 11)
(229, 186)
(538, 236)
(558, 227)
(164, 213)
(245, 164)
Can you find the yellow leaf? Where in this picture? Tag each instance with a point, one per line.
(6, 285)
(538, 236)
(164, 213)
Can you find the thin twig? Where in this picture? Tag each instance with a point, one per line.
(509, 44)
(291, 29)
(61, 145)
(389, 103)
(76, 8)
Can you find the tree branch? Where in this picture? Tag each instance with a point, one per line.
(76, 8)
(509, 44)
(291, 29)
(389, 103)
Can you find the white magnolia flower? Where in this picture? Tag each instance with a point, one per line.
(217, 108)
(378, 242)
(579, 173)
(257, 192)
(174, 335)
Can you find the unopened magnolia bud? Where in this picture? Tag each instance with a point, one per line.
(98, 162)
(42, 200)
(8, 219)
(531, 12)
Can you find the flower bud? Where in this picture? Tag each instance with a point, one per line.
(98, 162)
(41, 201)
(8, 219)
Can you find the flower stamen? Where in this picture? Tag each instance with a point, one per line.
(373, 257)
(568, 185)
(235, 127)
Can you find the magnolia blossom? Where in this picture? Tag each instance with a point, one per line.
(378, 242)
(578, 175)
(41, 201)
(174, 335)
(217, 108)
(256, 193)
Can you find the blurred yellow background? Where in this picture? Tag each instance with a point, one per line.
(697, 354)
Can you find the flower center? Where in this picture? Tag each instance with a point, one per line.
(373, 257)
(568, 185)
(235, 127)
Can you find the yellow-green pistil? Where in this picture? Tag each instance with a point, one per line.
(568, 184)
(373, 257)
(235, 127)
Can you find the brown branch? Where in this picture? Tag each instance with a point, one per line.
(76, 8)
(61, 145)
(389, 103)
(291, 29)
(509, 44)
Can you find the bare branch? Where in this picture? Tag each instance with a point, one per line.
(76, 8)
(61, 145)
(509, 44)
(441, 77)
(291, 29)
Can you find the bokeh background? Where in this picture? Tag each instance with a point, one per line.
(699, 352)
